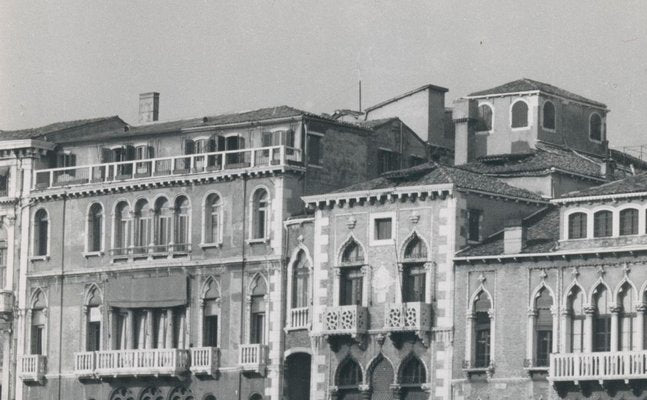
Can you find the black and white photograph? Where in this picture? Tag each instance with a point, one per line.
(323, 200)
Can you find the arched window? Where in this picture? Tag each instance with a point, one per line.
(41, 233)
(213, 219)
(151, 393)
(349, 377)
(300, 281)
(485, 118)
(182, 221)
(549, 115)
(519, 114)
(181, 393)
(577, 225)
(482, 334)
(95, 227)
(381, 378)
(595, 127)
(211, 315)
(543, 328)
(142, 227)
(414, 275)
(93, 321)
(627, 324)
(601, 320)
(257, 313)
(260, 214)
(351, 277)
(412, 375)
(162, 225)
(122, 229)
(122, 393)
(209, 397)
(629, 221)
(603, 224)
(256, 396)
(38, 323)
(576, 304)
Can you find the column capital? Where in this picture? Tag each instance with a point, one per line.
(589, 310)
(615, 309)
(532, 312)
(641, 308)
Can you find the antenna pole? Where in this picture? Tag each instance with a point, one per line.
(360, 95)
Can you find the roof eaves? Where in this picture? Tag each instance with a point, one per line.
(407, 94)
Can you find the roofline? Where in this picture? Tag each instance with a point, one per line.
(579, 199)
(26, 143)
(296, 221)
(556, 254)
(407, 94)
(539, 91)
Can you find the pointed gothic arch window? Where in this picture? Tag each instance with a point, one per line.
(628, 339)
(300, 281)
(543, 327)
(414, 274)
(257, 311)
(482, 330)
(38, 323)
(576, 302)
(349, 376)
(601, 319)
(93, 320)
(211, 315)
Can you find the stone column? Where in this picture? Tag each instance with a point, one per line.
(130, 339)
(530, 337)
(565, 331)
(554, 312)
(615, 328)
(149, 329)
(588, 329)
(639, 339)
(170, 323)
(469, 342)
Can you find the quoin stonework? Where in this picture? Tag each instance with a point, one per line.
(493, 249)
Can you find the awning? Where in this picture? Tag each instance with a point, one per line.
(150, 292)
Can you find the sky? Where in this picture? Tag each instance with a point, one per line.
(66, 60)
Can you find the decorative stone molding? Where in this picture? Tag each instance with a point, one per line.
(351, 222)
(414, 218)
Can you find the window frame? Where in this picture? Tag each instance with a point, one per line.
(543, 116)
(374, 240)
(36, 237)
(207, 214)
(320, 153)
(585, 229)
(89, 229)
(635, 222)
(528, 115)
(254, 216)
(478, 112)
(591, 138)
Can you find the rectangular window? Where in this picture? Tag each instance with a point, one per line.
(627, 329)
(577, 335)
(37, 339)
(413, 285)
(473, 224)
(120, 330)
(315, 149)
(257, 328)
(94, 336)
(482, 351)
(65, 160)
(544, 347)
(4, 183)
(387, 161)
(350, 286)
(383, 228)
(602, 333)
(163, 225)
(211, 331)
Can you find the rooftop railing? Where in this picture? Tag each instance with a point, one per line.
(260, 157)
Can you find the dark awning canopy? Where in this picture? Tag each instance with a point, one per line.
(149, 292)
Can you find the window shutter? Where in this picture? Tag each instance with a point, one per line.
(212, 146)
(267, 139)
(72, 160)
(130, 153)
(289, 138)
(189, 146)
(221, 143)
(106, 155)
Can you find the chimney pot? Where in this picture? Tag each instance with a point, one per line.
(149, 104)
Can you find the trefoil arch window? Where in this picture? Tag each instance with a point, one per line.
(211, 314)
(257, 315)
(575, 307)
(414, 274)
(349, 378)
(413, 375)
(482, 330)
(627, 323)
(93, 320)
(601, 319)
(38, 323)
(543, 327)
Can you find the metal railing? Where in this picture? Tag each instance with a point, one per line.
(166, 166)
(616, 365)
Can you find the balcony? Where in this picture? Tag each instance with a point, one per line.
(253, 357)
(407, 317)
(617, 365)
(151, 252)
(299, 318)
(6, 302)
(31, 368)
(345, 320)
(115, 363)
(85, 364)
(204, 360)
(218, 163)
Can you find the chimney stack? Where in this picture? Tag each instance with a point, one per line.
(149, 107)
(608, 169)
(514, 236)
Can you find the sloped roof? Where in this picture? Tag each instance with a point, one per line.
(407, 94)
(542, 235)
(433, 173)
(526, 85)
(375, 123)
(58, 127)
(631, 184)
(539, 161)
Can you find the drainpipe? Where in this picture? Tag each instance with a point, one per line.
(60, 322)
(242, 284)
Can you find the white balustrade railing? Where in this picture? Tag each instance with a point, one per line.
(617, 365)
(31, 367)
(84, 363)
(345, 320)
(413, 316)
(252, 357)
(299, 318)
(166, 166)
(141, 362)
(204, 360)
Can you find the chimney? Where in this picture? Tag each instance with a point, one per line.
(463, 115)
(608, 168)
(149, 107)
(514, 236)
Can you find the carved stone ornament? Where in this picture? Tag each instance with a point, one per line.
(414, 218)
(351, 222)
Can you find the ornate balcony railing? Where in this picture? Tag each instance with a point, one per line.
(253, 357)
(617, 365)
(155, 251)
(85, 363)
(142, 362)
(204, 360)
(345, 320)
(253, 158)
(299, 318)
(6, 302)
(32, 367)
(414, 316)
